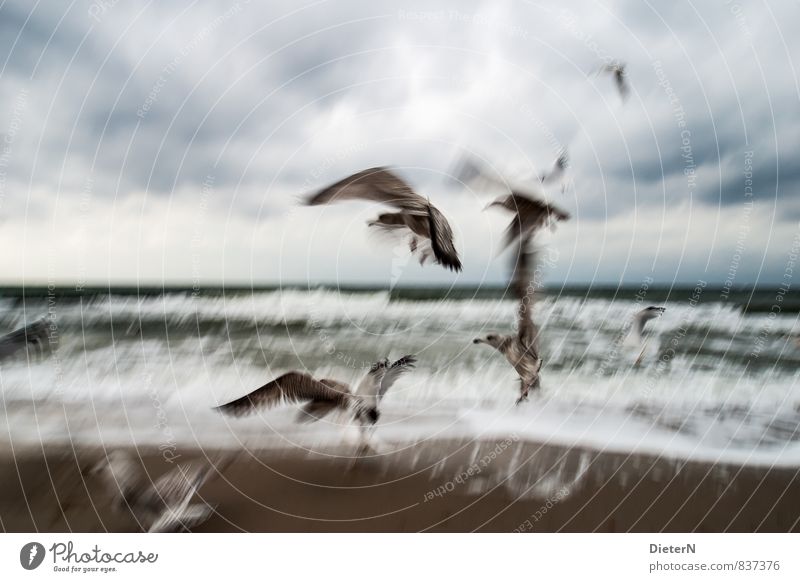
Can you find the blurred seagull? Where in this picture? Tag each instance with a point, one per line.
(325, 395)
(163, 505)
(637, 329)
(430, 233)
(522, 348)
(34, 335)
(530, 214)
(559, 167)
(530, 211)
(617, 71)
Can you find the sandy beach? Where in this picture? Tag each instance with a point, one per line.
(439, 486)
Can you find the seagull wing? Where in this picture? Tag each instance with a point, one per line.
(291, 387)
(173, 492)
(394, 371)
(442, 240)
(375, 185)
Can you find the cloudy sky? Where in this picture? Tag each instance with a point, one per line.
(170, 141)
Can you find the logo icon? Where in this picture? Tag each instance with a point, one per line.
(31, 555)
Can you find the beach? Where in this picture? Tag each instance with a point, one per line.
(436, 486)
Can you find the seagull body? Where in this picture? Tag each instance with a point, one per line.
(163, 505)
(530, 214)
(617, 71)
(34, 334)
(559, 167)
(416, 215)
(637, 329)
(325, 395)
(521, 349)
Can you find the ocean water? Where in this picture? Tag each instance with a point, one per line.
(718, 379)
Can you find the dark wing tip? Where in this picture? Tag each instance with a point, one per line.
(407, 361)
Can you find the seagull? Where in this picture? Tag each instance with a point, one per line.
(163, 505)
(430, 233)
(559, 167)
(530, 214)
(522, 348)
(325, 395)
(617, 70)
(34, 334)
(639, 321)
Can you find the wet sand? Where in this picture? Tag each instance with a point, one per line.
(448, 486)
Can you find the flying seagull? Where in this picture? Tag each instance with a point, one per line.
(325, 395)
(617, 71)
(557, 172)
(34, 334)
(163, 505)
(521, 349)
(430, 233)
(639, 321)
(530, 214)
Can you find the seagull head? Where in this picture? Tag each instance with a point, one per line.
(492, 339)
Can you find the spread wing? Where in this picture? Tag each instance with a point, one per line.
(525, 283)
(645, 315)
(442, 240)
(291, 387)
(530, 215)
(375, 185)
(394, 371)
(559, 167)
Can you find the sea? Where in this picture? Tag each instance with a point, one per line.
(717, 378)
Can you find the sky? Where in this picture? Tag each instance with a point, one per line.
(170, 142)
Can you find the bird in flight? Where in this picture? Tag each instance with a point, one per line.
(557, 172)
(521, 349)
(428, 229)
(637, 330)
(161, 506)
(617, 71)
(323, 396)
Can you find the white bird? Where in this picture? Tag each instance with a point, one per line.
(163, 505)
(560, 166)
(636, 334)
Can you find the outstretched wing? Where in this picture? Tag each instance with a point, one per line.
(530, 215)
(645, 315)
(525, 283)
(291, 387)
(393, 372)
(442, 240)
(559, 166)
(375, 185)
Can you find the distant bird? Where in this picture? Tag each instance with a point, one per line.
(637, 329)
(430, 233)
(163, 505)
(557, 172)
(34, 335)
(325, 395)
(522, 348)
(530, 214)
(617, 71)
